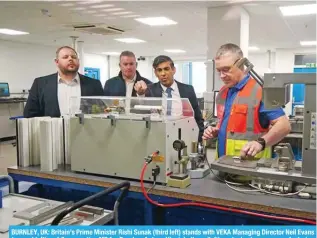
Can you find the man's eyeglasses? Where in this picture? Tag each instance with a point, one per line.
(227, 69)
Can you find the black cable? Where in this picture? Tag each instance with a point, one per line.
(124, 185)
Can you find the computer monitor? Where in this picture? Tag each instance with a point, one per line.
(214, 104)
(4, 90)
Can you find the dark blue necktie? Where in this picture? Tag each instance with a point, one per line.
(169, 102)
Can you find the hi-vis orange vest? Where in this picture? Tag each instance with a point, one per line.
(243, 124)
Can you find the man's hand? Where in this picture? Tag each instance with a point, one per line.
(210, 132)
(140, 87)
(251, 149)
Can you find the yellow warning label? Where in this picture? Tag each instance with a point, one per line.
(158, 158)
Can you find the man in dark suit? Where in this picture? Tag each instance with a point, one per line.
(168, 87)
(129, 82)
(50, 95)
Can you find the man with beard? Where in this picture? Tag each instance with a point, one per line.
(50, 95)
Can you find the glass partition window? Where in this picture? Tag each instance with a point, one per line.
(132, 108)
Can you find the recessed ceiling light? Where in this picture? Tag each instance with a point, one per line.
(299, 10)
(112, 9)
(90, 11)
(121, 13)
(111, 53)
(66, 4)
(253, 48)
(156, 21)
(12, 32)
(127, 16)
(175, 51)
(90, 2)
(78, 9)
(130, 40)
(308, 43)
(101, 6)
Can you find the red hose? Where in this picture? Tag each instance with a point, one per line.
(217, 207)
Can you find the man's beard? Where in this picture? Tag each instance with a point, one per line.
(67, 71)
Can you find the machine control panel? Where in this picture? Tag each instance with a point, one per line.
(312, 142)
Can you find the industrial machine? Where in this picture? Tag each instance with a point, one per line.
(277, 172)
(297, 120)
(21, 210)
(114, 137)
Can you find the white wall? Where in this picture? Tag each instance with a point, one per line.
(21, 63)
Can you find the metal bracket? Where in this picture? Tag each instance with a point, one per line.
(81, 117)
(286, 157)
(113, 120)
(147, 122)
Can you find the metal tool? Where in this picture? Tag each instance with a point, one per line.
(197, 158)
(249, 69)
(179, 177)
(95, 210)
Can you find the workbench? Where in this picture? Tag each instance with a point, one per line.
(63, 184)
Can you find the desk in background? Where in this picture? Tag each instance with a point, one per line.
(10, 107)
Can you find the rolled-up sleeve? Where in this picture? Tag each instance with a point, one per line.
(268, 115)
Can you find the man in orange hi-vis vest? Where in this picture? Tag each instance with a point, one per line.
(245, 127)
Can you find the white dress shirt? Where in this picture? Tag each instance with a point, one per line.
(66, 90)
(129, 86)
(177, 107)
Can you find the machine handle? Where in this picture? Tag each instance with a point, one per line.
(11, 182)
(124, 185)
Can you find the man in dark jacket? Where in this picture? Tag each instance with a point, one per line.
(168, 87)
(129, 82)
(51, 95)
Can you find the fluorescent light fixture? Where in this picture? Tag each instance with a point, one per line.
(175, 51)
(67, 4)
(308, 43)
(101, 6)
(130, 40)
(156, 21)
(128, 16)
(92, 11)
(78, 9)
(89, 2)
(299, 10)
(12, 32)
(112, 9)
(121, 13)
(111, 53)
(253, 48)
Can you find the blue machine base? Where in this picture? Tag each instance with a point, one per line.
(135, 211)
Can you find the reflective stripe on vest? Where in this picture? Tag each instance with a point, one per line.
(245, 105)
(243, 124)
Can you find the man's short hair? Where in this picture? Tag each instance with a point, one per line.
(229, 48)
(127, 53)
(162, 59)
(64, 47)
